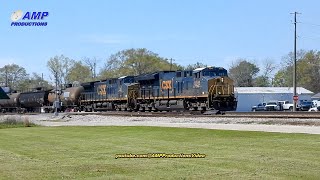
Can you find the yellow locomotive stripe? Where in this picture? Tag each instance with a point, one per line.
(154, 98)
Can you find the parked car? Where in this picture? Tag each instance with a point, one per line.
(316, 103)
(315, 109)
(259, 107)
(272, 106)
(305, 105)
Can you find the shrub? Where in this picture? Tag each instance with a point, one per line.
(14, 122)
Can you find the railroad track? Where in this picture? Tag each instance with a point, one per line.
(269, 114)
(263, 114)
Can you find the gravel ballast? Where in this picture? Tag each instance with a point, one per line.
(283, 125)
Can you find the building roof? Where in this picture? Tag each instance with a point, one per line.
(316, 96)
(265, 90)
(198, 69)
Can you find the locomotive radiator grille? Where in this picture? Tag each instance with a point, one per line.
(220, 87)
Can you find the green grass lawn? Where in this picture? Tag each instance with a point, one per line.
(89, 152)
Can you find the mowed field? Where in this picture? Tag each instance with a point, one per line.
(89, 152)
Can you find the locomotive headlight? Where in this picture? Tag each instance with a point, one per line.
(221, 79)
(219, 93)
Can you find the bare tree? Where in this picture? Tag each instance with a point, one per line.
(267, 69)
(60, 66)
(92, 64)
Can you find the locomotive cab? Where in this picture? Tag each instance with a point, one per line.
(214, 83)
(220, 89)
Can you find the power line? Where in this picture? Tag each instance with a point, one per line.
(312, 24)
(310, 37)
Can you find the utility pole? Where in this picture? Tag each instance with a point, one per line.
(295, 63)
(170, 64)
(94, 70)
(56, 102)
(5, 67)
(42, 80)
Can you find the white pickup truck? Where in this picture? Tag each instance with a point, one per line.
(279, 106)
(271, 106)
(286, 105)
(316, 103)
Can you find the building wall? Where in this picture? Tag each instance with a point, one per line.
(247, 100)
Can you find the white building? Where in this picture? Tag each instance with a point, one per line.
(250, 96)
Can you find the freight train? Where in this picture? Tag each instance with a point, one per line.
(201, 89)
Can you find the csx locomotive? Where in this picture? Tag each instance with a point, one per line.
(201, 89)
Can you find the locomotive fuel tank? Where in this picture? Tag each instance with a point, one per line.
(34, 99)
(12, 102)
(70, 96)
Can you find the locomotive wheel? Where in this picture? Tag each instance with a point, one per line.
(141, 109)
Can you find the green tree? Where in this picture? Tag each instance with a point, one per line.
(280, 78)
(135, 62)
(12, 75)
(308, 71)
(79, 72)
(243, 72)
(284, 77)
(195, 66)
(34, 81)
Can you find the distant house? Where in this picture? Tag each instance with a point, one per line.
(250, 96)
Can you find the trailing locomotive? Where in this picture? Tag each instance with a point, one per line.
(201, 89)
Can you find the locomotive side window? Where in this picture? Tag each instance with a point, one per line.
(178, 74)
(181, 86)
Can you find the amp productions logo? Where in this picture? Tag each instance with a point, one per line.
(19, 18)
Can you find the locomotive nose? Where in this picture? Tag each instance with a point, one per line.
(221, 93)
(220, 86)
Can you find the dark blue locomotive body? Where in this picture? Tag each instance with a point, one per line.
(109, 94)
(200, 89)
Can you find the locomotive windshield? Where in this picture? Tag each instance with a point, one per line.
(214, 72)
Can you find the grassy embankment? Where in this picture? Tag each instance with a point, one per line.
(89, 152)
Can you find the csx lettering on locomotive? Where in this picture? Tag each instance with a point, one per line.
(166, 84)
(101, 90)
